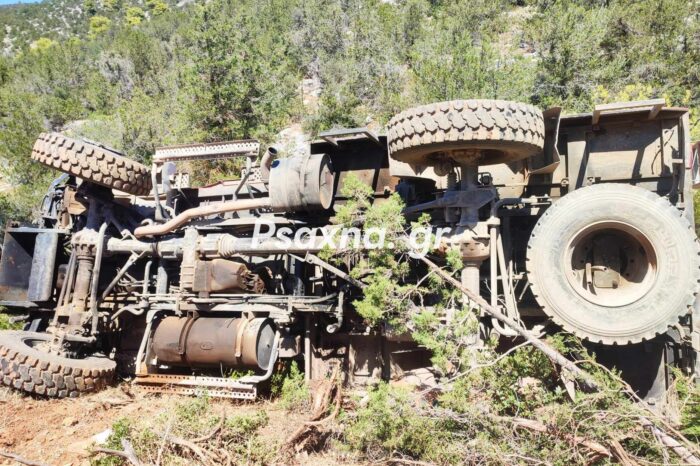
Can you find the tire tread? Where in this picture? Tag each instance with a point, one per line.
(92, 163)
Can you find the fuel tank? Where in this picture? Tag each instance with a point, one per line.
(214, 342)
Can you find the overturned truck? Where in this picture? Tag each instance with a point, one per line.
(575, 222)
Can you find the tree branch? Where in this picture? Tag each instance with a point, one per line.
(558, 358)
(128, 454)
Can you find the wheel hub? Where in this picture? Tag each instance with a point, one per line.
(611, 264)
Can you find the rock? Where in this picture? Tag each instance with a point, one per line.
(422, 378)
(69, 422)
(292, 141)
(529, 386)
(101, 438)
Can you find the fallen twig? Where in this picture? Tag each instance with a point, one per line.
(163, 441)
(115, 402)
(224, 454)
(671, 443)
(596, 448)
(476, 367)
(217, 428)
(181, 442)
(129, 453)
(691, 447)
(620, 454)
(19, 459)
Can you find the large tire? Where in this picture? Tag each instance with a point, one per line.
(614, 264)
(24, 367)
(504, 130)
(92, 163)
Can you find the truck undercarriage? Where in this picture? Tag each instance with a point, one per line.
(581, 222)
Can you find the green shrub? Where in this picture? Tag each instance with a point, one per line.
(5, 323)
(99, 25)
(389, 424)
(121, 430)
(688, 394)
(290, 386)
(188, 419)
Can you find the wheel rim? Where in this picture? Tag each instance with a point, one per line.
(43, 345)
(611, 264)
(36, 343)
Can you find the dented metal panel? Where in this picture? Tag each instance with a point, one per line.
(627, 147)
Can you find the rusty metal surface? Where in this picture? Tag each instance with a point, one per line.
(625, 147)
(196, 385)
(16, 265)
(214, 342)
(202, 211)
(548, 161)
(653, 106)
(337, 136)
(225, 275)
(365, 158)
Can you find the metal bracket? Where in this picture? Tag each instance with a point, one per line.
(694, 164)
(655, 107)
(334, 136)
(315, 260)
(194, 385)
(474, 198)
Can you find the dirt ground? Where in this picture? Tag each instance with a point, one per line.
(63, 432)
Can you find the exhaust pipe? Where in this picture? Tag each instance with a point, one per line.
(203, 211)
(266, 162)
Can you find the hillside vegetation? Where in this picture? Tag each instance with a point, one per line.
(137, 74)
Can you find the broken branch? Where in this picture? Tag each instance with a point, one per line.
(321, 401)
(19, 459)
(533, 339)
(181, 442)
(669, 442)
(128, 454)
(214, 431)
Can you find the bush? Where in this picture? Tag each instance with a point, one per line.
(389, 424)
(121, 430)
(688, 393)
(290, 386)
(5, 323)
(99, 25)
